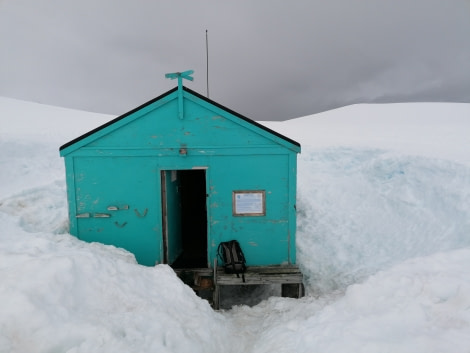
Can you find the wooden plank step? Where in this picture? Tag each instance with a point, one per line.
(271, 269)
(200, 271)
(262, 275)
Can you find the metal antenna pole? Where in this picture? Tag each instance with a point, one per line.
(207, 63)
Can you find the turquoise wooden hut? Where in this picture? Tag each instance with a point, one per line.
(174, 177)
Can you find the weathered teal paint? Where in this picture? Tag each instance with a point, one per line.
(115, 175)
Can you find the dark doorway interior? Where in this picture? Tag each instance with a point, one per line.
(192, 190)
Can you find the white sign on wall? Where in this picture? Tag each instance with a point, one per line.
(249, 203)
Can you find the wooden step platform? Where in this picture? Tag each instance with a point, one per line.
(289, 277)
(203, 280)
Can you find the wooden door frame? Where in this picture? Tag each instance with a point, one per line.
(164, 216)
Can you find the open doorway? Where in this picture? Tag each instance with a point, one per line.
(184, 218)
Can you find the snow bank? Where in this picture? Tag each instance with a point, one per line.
(421, 305)
(59, 294)
(363, 210)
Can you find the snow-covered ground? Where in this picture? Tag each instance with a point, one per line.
(383, 239)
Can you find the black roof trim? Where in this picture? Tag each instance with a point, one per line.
(111, 122)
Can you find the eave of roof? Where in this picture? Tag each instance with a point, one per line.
(111, 122)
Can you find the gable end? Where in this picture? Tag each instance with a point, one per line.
(166, 94)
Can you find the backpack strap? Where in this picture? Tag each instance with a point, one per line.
(232, 260)
(219, 253)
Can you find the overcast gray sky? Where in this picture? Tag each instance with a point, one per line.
(268, 60)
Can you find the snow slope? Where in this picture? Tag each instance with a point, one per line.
(383, 239)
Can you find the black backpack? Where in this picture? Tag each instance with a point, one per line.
(231, 254)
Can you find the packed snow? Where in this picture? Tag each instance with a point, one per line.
(383, 240)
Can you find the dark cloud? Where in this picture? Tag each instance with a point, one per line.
(268, 60)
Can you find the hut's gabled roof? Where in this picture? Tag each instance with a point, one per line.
(164, 98)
